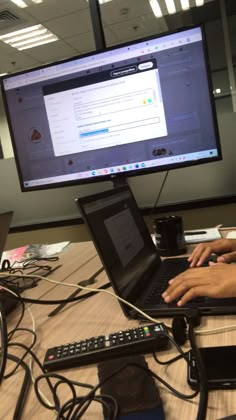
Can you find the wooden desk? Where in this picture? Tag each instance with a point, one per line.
(101, 314)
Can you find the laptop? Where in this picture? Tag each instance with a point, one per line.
(136, 271)
(5, 221)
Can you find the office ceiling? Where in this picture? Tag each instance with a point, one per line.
(70, 20)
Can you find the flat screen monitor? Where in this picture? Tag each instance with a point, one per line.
(133, 109)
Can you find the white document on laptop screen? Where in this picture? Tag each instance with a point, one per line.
(125, 235)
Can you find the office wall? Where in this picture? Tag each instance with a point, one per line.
(183, 185)
(4, 133)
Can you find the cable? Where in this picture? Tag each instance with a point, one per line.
(174, 359)
(40, 366)
(61, 379)
(90, 289)
(24, 388)
(162, 186)
(158, 196)
(23, 357)
(3, 344)
(203, 386)
(177, 393)
(147, 370)
(216, 330)
(10, 335)
(75, 407)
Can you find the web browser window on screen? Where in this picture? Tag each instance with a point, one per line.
(142, 106)
(103, 114)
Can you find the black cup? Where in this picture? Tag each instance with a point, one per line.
(169, 235)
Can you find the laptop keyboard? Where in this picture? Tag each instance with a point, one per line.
(169, 269)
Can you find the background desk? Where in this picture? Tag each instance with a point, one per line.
(101, 314)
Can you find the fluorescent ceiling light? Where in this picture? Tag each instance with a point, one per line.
(3, 74)
(22, 37)
(21, 31)
(20, 3)
(199, 2)
(31, 40)
(156, 8)
(185, 4)
(101, 1)
(37, 44)
(29, 37)
(170, 4)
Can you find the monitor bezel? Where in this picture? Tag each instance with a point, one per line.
(120, 176)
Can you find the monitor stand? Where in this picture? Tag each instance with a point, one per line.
(119, 182)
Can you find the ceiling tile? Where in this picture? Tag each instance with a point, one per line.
(124, 20)
(50, 52)
(18, 61)
(5, 49)
(110, 37)
(82, 43)
(139, 27)
(51, 9)
(19, 18)
(123, 10)
(76, 23)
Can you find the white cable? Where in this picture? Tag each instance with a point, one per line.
(216, 330)
(90, 289)
(199, 332)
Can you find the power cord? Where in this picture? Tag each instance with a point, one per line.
(203, 398)
(76, 406)
(158, 196)
(24, 388)
(89, 289)
(193, 320)
(3, 343)
(182, 354)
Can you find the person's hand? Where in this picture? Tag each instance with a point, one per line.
(225, 248)
(215, 281)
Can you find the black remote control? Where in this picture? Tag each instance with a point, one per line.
(138, 340)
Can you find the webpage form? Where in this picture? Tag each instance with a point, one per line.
(127, 242)
(109, 113)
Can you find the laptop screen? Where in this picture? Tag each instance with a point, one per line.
(120, 236)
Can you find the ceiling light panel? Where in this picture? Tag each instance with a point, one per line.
(170, 5)
(156, 8)
(37, 44)
(199, 2)
(29, 37)
(19, 3)
(100, 1)
(185, 4)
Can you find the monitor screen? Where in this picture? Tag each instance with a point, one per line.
(132, 109)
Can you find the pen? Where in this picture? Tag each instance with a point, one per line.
(199, 232)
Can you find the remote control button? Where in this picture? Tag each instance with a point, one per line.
(138, 340)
